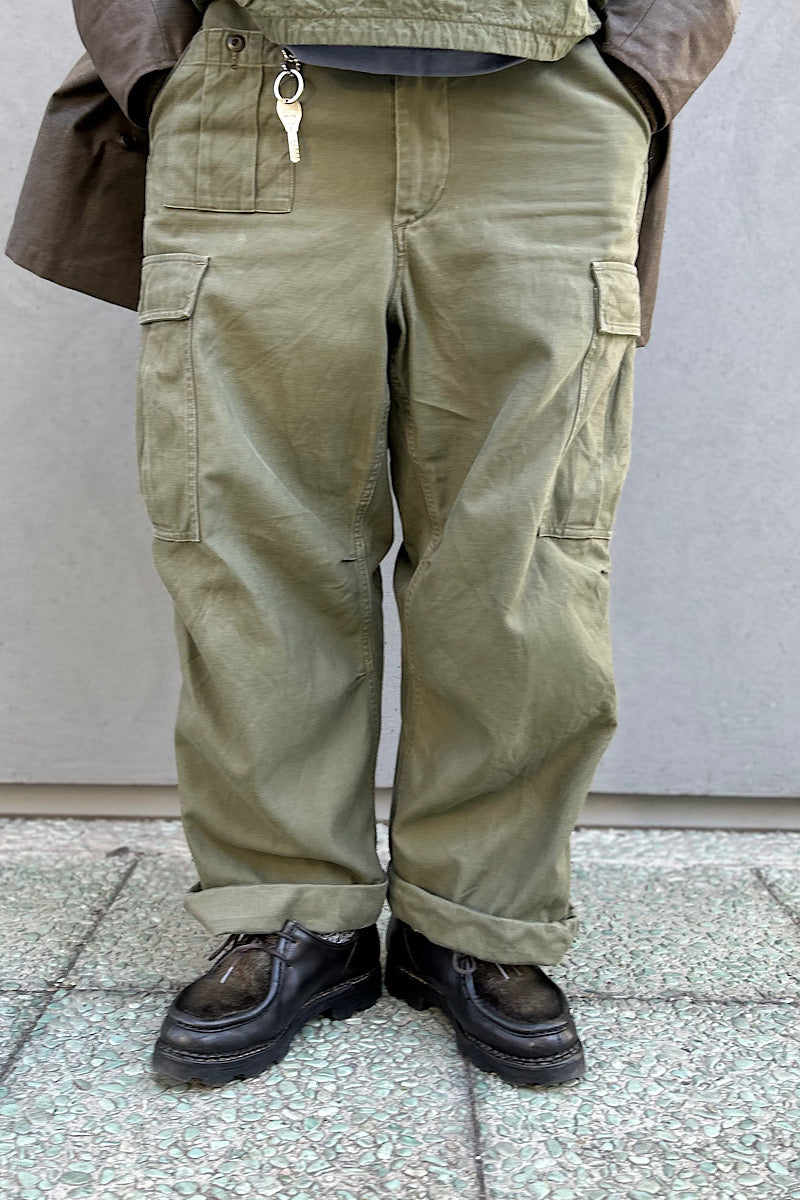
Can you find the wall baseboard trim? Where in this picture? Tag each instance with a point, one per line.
(126, 801)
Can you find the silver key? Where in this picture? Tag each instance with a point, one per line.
(290, 114)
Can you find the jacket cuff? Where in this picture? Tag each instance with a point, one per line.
(672, 44)
(130, 39)
(142, 96)
(130, 92)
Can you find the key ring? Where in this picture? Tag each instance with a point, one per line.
(276, 87)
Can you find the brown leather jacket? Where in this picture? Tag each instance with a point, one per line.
(80, 213)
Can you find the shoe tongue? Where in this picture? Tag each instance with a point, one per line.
(269, 941)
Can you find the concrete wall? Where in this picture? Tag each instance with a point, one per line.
(706, 625)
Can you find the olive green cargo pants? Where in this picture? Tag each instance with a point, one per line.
(438, 299)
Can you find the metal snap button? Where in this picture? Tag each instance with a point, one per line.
(235, 42)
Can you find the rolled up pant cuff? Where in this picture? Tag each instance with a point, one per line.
(260, 908)
(497, 939)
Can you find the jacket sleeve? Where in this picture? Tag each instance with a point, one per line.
(671, 44)
(128, 39)
(80, 214)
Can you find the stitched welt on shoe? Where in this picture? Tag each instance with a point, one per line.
(573, 1052)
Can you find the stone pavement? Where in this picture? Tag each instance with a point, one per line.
(685, 984)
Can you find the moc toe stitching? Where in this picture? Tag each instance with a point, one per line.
(324, 978)
(178, 1052)
(519, 1025)
(526, 1060)
(522, 1044)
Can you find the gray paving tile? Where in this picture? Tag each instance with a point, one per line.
(363, 1109)
(708, 932)
(46, 908)
(668, 847)
(85, 838)
(147, 939)
(74, 837)
(680, 1101)
(786, 887)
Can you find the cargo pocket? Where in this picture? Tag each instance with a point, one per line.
(592, 468)
(217, 144)
(166, 399)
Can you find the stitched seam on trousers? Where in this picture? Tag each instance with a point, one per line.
(363, 572)
(394, 292)
(548, 528)
(603, 532)
(192, 440)
(171, 533)
(201, 100)
(410, 671)
(445, 174)
(427, 494)
(580, 407)
(399, 254)
(398, 245)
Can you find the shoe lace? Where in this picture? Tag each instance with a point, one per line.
(466, 964)
(242, 942)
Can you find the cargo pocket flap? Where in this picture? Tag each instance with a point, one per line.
(618, 301)
(169, 286)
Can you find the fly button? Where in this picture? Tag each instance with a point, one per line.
(235, 42)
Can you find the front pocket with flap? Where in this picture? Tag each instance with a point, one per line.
(166, 399)
(592, 468)
(217, 143)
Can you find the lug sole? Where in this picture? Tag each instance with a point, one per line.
(346, 1003)
(526, 1072)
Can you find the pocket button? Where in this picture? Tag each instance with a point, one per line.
(235, 42)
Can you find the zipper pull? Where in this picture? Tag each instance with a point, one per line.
(288, 108)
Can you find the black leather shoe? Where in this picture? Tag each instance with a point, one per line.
(510, 1019)
(241, 1016)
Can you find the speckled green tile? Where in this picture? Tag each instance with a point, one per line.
(786, 887)
(46, 908)
(704, 931)
(680, 1101)
(666, 847)
(17, 1013)
(147, 939)
(364, 1109)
